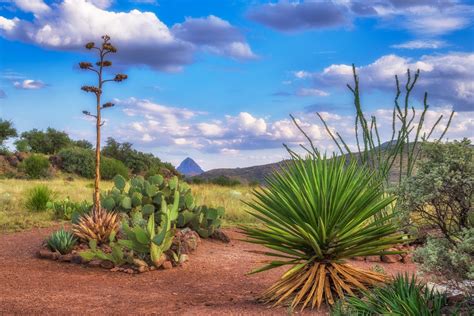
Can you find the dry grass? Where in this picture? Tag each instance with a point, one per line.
(14, 216)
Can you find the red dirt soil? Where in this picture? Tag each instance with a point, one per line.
(213, 282)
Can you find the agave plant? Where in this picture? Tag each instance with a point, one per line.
(61, 241)
(403, 296)
(97, 226)
(316, 212)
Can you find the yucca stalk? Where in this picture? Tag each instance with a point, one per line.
(317, 212)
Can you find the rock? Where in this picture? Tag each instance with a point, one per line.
(408, 258)
(13, 160)
(95, 263)
(45, 254)
(140, 263)
(115, 269)
(183, 258)
(391, 258)
(454, 299)
(107, 264)
(359, 258)
(373, 258)
(76, 259)
(129, 271)
(21, 156)
(167, 265)
(56, 255)
(186, 241)
(152, 268)
(142, 269)
(220, 235)
(65, 258)
(160, 261)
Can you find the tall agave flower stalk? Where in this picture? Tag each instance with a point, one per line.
(317, 212)
(103, 51)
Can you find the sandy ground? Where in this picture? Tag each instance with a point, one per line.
(213, 282)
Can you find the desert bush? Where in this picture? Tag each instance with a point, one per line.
(110, 167)
(35, 166)
(402, 296)
(440, 195)
(78, 160)
(81, 161)
(61, 241)
(38, 197)
(452, 264)
(69, 210)
(316, 212)
(138, 162)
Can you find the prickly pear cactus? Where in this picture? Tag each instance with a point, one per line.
(147, 195)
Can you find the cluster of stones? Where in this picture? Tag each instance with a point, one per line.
(185, 241)
(404, 257)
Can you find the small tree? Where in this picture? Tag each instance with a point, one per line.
(103, 50)
(440, 195)
(6, 131)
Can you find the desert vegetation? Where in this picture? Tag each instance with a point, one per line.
(318, 216)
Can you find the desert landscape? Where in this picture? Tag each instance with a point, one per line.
(185, 158)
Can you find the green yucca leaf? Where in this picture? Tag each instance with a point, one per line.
(326, 209)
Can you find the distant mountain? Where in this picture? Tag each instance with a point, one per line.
(244, 175)
(189, 168)
(258, 173)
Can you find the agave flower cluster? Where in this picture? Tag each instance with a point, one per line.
(317, 212)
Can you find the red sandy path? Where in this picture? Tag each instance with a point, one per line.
(212, 283)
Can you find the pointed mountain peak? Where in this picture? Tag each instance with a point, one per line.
(189, 167)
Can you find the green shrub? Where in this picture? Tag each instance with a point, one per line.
(78, 160)
(81, 161)
(69, 210)
(38, 197)
(403, 296)
(110, 167)
(61, 241)
(438, 257)
(36, 166)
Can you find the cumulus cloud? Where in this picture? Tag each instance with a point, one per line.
(421, 17)
(447, 78)
(421, 44)
(214, 34)
(141, 37)
(155, 125)
(33, 6)
(29, 84)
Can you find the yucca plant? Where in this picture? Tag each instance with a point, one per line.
(61, 241)
(97, 226)
(403, 296)
(316, 212)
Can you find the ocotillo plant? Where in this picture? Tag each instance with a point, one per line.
(369, 148)
(103, 50)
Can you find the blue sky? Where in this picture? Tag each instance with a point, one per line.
(216, 80)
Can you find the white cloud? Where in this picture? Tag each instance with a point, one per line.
(447, 78)
(214, 34)
(141, 37)
(29, 84)
(311, 92)
(33, 6)
(421, 44)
